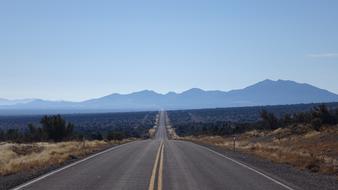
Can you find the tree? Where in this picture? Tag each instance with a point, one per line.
(323, 114)
(35, 133)
(2, 135)
(269, 119)
(287, 119)
(316, 124)
(56, 128)
(13, 135)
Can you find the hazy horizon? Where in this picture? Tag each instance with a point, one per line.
(162, 93)
(79, 50)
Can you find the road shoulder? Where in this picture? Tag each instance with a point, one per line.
(284, 173)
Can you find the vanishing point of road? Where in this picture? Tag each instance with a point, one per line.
(157, 163)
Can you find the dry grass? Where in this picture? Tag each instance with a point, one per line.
(23, 157)
(152, 132)
(316, 151)
(172, 133)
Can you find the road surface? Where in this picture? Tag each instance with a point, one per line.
(157, 163)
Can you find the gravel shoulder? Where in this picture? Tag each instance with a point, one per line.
(287, 174)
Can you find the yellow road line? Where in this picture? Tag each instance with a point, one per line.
(160, 171)
(153, 175)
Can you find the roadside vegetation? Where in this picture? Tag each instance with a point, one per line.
(54, 140)
(31, 156)
(55, 128)
(314, 119)
(307, 140)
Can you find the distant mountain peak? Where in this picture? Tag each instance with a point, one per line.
(193, 90)
(273, 83)
(266, 92)
(268, 80)
(145, 92)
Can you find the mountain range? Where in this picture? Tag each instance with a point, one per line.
(267, 92)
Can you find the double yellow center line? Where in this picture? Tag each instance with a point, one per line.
(158, 161)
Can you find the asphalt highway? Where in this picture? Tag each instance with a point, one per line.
(157, 163)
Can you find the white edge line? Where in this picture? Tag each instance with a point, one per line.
(68, 166)
(248, 167)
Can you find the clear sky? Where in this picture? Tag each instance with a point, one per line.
(74, 50)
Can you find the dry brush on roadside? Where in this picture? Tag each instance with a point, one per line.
(312, 150)
(307, 140)
(15, 157)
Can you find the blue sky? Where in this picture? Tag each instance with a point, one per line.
(74, 50)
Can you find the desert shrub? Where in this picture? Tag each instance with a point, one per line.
(115, 135)
(316, 123)
(35, 134)
(312, 164)
(56, 127)
(2, 135)
(14, 135)
(270, 120)
(323, 113)
(286, 119)
(88, 126)
(96, 136)
(315, 119)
